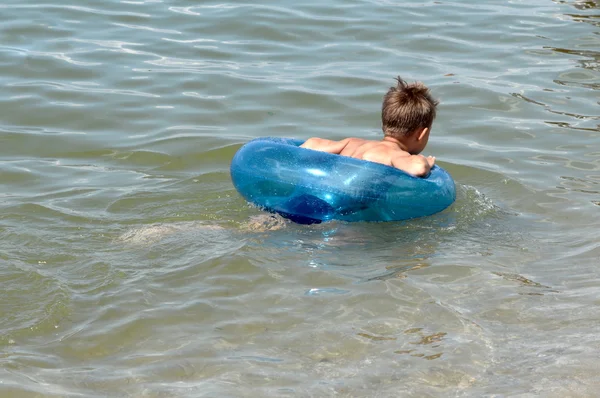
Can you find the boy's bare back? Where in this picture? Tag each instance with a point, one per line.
(407, 114)
(385, 152)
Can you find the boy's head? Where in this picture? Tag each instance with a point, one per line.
(407, 110)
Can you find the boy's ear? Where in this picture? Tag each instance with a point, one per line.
(422, 134)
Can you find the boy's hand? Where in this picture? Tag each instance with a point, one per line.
(422, 165)
(417, 165)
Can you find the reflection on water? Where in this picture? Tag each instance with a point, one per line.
(584, 5)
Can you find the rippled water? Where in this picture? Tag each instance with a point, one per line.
(131, 267)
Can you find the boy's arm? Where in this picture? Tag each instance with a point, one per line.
(417, 165)
(323, 145)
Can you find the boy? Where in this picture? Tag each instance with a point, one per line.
(407, 114)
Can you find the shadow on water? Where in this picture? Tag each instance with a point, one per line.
(472, 226)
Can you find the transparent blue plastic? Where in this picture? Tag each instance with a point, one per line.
(308, 186)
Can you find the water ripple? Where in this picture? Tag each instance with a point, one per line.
(73, 8)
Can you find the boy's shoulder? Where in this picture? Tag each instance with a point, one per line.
(376, 145)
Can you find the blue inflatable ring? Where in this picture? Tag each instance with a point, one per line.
(308, 186)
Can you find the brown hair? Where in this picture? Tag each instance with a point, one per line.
(406, 108)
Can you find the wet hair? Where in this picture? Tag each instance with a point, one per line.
(406, 108)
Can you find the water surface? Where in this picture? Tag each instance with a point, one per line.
(131, 267)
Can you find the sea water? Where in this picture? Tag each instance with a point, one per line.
(129, 265)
